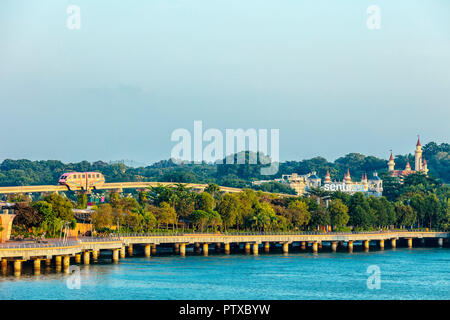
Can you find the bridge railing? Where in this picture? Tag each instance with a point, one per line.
(51, 244)
(100, 239)
(255, 233)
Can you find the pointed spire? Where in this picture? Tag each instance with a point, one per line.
(391, 158)
(347, 177)
(424, 161)
(418, 141)
(365, 176)
(327, 177)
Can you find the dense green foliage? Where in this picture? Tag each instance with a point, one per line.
(25, 172)
(419, 201)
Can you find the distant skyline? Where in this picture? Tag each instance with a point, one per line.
(135, 71)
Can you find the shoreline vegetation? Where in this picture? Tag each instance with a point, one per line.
(27, 172)
(420, 202)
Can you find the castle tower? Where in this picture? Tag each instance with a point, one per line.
(347, 177)
(418, 152)
(425, 166)
(365, 182)
(391, 163)
(408, 166)
(327, 177)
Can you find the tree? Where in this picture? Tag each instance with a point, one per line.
(319, 216)
(103, 217)
(199, 218)
(82, 201)
(264, 217)
(27, 215)
(142, 198)
(417, 202)
(405, 214)
(300, 215)
(204, 201)
(61, 206)
(361, 215)
(432, 209)
(228, 209)
(214, 219)
(338, 213)
(150, 220)
(382, 210)
(45, 210)
(212, 189)
(166, 214)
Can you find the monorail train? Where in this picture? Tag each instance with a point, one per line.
(82, 180)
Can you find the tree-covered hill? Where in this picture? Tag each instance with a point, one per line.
(26, 172)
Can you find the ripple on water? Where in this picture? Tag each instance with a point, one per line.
(421, 273)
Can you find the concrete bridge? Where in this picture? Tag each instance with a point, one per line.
(115, 186)
(62, 253)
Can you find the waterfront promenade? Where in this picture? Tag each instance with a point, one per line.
(61, 254)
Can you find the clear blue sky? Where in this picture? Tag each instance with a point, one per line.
(137, 70)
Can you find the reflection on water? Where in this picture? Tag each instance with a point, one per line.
(421, 273)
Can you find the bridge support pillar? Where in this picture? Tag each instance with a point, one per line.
(247, 247)
(4, 266)
(285, 247)
(58, 261)
(410, 242)
(227, 248)
(182, 249)
(176, 248)
(154, 249)
(86, 257)
(78, 258)
(366, 244)
(394, 243)
(205, 249)
(320, 244)
(66, 263)
(315, 247)
(350, 246)
(147, 250)
(37, 266)
(255, 249)
(95, 255)
(115, 255)
(334, 246)
(267, 247)
(122, 253)
(18, 267)
(48, 262)
(130, 250)
(381, 244)
(303, 245)
(440, 242)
